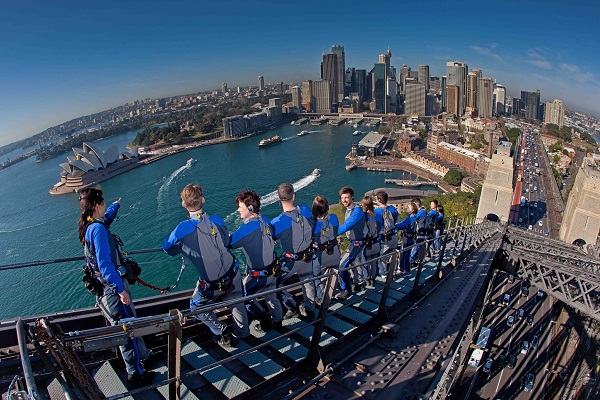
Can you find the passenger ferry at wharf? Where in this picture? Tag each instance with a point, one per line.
(71, 354)
(271, 141)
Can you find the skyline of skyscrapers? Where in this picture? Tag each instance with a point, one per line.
(456, 73)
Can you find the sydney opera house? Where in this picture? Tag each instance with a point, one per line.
(90, 165)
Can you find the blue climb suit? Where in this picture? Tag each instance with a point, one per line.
(408, 227)
(439, 225)
(255, 238)
(294, 232)
(389, 234)
(372, 246)
(326, 247)
(101, 255)
(204, 239)
(421, 234)
(355, 228)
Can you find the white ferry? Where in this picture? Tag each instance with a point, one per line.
(303, 133)
(316, 172)
(357, 133)
(191, 162)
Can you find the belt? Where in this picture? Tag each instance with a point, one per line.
(371, 240)
(323, 246)
(301, 255)
(223, 282)
(409, 235)
(265, 271)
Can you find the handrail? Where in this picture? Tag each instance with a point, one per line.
(27, 371)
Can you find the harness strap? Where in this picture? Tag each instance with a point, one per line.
(300, 255)
(223, 282)
(265, 271)
(323, 246)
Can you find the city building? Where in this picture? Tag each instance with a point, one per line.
(581, 220)
(452, 99)
(555, 113)
(456, 72)
(531, 101)
(261, 83)
(379, 87)
(424, 76)
(307, 99)
(322, 95)
(414, 99)
(296, 97)
(499, 99)
(471, 162)
(338, 50)
(372, 144)
(472, 78)
(329, 72)
(224, 87)
(485, 97)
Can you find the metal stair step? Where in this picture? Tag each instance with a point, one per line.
(219, 376)
(257, 361)
(108, 380)
(367, 305)
(351, 313)
(287, 346)
(338, 325)
(162, 370)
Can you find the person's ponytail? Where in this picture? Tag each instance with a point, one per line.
(88, 199)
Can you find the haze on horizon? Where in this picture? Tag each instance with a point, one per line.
(60, 61)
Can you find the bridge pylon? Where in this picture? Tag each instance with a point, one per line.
(497, 191)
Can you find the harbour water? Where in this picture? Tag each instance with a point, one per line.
(37, 226)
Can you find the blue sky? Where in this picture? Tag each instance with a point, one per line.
(63, 59)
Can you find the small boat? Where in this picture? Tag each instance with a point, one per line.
(270, 141)
(303, 133)
(316, 172)
(350, 167)
(355, 126)
(191, 162)
(293, 123)
(357, 133)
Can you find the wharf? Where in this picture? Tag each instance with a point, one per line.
(301, 121)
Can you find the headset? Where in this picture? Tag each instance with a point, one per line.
(251, 208)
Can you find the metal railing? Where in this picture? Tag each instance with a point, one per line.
(463, 235)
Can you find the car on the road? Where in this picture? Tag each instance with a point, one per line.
(524, 291)
(530, 227)
(530, 319)
(512, 361)
(502, 360)
(540, 223)
(534, 342)
(540, 293)
(525, 347)
(510, 321)
(511, 278)
(521, 313)
(487, 368)
(529, 382)
(506, 299)
(520, 220)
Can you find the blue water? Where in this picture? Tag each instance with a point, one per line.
(37, 226)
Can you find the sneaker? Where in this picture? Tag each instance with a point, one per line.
(302, 310)
(358, 287)
(145, 363)
(142, 379)
(228, 340)
(291, 313)
(343, 295)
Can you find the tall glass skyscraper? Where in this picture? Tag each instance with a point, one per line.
(456, 73)
(338, 50)
(379, 87)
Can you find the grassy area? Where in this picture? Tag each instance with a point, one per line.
(583, 145)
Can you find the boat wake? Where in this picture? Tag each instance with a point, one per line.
(162, 191)
(271, 198)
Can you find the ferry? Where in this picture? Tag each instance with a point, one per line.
(350, 167)
(267, 142)
(316, 172)
(303, 133)
(357, 133)
(191, 162)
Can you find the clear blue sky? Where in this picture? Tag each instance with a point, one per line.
(63, 59)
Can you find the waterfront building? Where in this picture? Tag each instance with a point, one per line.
(372, 144)
(296, 97)
(261, 83)
(555, 113)
(452, 99)
(499, 99)
(322, 95)
(340, 92)
(424, 76)
(307, 100)
(414, 98)
(329, 72)
(485, 97)
(379, 87)
(456, 71)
